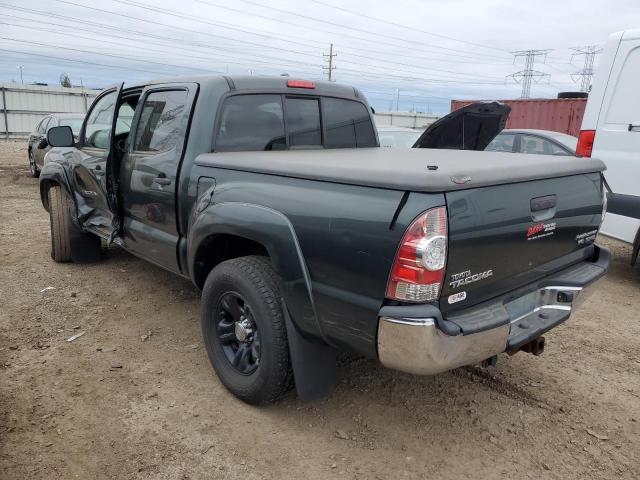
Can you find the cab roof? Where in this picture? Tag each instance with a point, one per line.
(257, 83)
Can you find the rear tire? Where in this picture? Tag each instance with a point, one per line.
(265, 374)
(68, 241)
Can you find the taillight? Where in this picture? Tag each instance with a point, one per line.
(418, 270)
(585, 143)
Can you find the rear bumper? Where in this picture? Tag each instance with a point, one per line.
(413, 339)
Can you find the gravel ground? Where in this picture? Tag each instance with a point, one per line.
(134, 397)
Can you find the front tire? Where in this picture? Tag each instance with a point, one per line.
(244, 330)
(33, 168)
(68, 241)
(59, 219)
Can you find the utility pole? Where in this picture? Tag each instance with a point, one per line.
(586, 74)
(331, 66)
(397, 99)
(20, 67)
(528, 75)
(84, 95)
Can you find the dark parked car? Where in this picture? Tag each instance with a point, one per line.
(272, 196)
(38, 145)
(541, 142)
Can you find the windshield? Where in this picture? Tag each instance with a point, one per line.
(74, 123)
(398, 139)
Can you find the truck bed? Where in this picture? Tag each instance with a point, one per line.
(418, 170)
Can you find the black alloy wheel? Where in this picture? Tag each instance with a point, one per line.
(244, 331)
(238, 333)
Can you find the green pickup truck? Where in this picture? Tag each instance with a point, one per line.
(307, 239)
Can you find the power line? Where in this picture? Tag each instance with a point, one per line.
(407, 27)
(146, 49)
(76, 21)
(84, 62)
(378, 34)
(586, 73)
(201, 19)
(528, 75)
(102, 54)
(190, 31)
(277, 58)
(208, 46)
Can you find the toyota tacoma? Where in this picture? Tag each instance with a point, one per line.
(306, 239)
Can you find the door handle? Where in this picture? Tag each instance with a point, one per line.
(634, 127)
(162, 181)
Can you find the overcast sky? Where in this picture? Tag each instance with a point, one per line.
(430, 51)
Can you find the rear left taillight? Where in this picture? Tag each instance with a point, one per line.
(585, 143)
(418, 269)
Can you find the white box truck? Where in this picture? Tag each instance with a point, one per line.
(611, 132)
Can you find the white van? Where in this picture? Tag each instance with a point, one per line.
(611, 132)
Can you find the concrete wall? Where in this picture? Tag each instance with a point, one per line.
(403, 119)
(21, 106)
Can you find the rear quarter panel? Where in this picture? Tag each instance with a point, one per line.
(345, 237)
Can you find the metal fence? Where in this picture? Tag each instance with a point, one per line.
(21, 106)
(404, 119)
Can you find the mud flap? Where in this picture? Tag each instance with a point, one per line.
(315, 366)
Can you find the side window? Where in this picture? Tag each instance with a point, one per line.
(348, 124)
(99, 121)
(250, 123)
(160, 127)
(531, 144)
(502, 143)
(125, 118)
(303, 122)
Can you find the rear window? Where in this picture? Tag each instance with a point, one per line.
(250, 123)
(348, 124)
(255, 122)
(303, 122)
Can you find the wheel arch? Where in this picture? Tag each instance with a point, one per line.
(247, 229)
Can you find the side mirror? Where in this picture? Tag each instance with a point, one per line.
(60, 136)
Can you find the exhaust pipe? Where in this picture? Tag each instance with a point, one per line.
(535, 347)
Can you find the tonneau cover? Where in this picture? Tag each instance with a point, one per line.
(416, 169)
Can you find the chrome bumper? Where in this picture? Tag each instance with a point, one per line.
(417, 345)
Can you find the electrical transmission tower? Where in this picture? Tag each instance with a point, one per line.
(529, 75)
(586, 74)
(331, 66)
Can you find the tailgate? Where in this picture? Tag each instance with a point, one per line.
(505, 236)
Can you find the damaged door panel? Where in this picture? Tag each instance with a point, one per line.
(90, 168)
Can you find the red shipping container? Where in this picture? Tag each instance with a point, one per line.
(557, 114)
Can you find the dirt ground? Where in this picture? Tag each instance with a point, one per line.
(134, 397)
